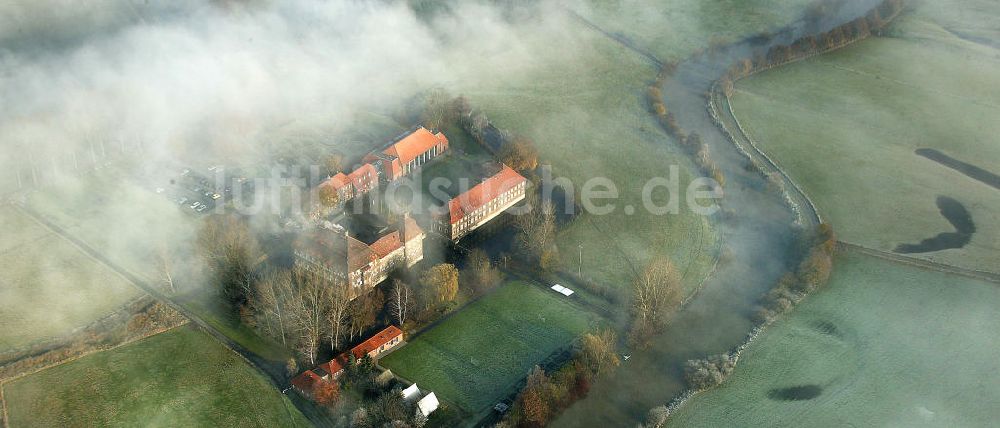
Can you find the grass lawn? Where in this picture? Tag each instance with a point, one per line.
(883, 345)
(866, 109)
(178, 378)
(474, 357)
(48, 287)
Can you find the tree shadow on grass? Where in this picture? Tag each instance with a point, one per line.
(960, 219)
(795, 393)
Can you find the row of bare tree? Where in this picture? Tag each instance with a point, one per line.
(860, 28)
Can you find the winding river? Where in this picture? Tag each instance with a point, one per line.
(759, 238)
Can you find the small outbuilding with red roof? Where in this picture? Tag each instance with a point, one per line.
(379, 344)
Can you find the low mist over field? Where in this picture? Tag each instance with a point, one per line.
(213, 78)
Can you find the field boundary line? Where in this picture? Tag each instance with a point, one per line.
(88, 353)
(3, 405)
(920, 263)
(617, 37)
(55, 343)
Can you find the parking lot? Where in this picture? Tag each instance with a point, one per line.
(200, 192)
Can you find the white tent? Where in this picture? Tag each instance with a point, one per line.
(428, 404)
(411, 392)
(562, 290)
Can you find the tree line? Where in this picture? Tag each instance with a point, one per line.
(690, 142)
(545, 395)
(862, 27)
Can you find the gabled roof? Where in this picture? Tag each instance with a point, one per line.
(417, 143)
(428, 404)
(386, 244)
(410, 392)
(332, 367)
(359, 255)
(337, 181)
(391, 241)
(413, 229)
(374, 342)
(364, 178)
(483, 193)
(305, 381)
(334, 250)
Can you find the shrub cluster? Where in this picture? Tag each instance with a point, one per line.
(544, 396)
(708, 372)
(812, 273)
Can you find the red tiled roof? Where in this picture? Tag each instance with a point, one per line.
(386, 244)
(332, 367)
(483, 193)
(364, 178)
(337, 181)
(390, 242)
(415, 144)
(375, 341)
(305, 381)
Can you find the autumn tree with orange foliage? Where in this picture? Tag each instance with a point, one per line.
(519, 154)
(326, 393)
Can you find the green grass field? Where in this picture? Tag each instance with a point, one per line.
(867, 108)
(48, 287)
(883, 345)
(473, 358)
(178, 378)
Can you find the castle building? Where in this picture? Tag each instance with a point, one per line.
(335, 255)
